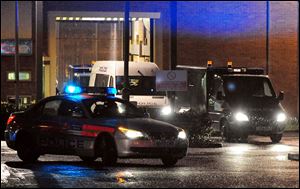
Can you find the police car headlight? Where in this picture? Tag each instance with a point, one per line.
(239, 116)
(182, 135)
(166, 110)
(130, 133)
(281, 117)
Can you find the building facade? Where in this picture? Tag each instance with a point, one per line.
(246, 33)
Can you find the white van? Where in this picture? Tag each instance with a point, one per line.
(141, 79)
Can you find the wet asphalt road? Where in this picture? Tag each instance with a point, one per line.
(257, 164)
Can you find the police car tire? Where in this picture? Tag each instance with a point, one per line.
(26, 149)
(109, 153)
(87, 159)
(169, 161)
(276, 138)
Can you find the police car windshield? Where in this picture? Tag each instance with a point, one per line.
(111, 108)
(245, 87)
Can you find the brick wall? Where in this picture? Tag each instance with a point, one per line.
(236, 31)
(284, 52)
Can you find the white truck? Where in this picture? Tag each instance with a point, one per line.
(142, 84)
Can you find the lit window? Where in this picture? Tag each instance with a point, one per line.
(23, 76)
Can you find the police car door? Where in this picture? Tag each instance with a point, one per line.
(48, 125)
(71, 117)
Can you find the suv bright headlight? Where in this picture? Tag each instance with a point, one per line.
(182, 134)
(166, 110)
(130, 133)
(281, 117)
(241, 117)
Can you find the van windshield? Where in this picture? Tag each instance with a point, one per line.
(247, 87)
(101, 80)
(139, 85)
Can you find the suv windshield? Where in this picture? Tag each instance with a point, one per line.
(245, 87)
(105, 108)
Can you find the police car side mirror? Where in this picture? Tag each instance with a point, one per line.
(280, 95)
(220, 96)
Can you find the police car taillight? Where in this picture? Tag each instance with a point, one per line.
(10, 119)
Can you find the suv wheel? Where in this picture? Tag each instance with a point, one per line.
(276, 138)
(169, 161)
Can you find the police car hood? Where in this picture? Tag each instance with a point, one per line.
(141, 124)
(149, 125)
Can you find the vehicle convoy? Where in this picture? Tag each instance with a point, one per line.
(141, 77)
(238, 101)
(92, 126)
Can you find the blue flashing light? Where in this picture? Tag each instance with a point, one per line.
(111, 91)
(72, 89)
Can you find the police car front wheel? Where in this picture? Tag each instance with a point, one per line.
(107, 150)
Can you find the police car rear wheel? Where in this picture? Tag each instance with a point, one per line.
(276, 138)
(169, 161)
(26, 148)
(87, 159)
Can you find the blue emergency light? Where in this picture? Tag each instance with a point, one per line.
(111, 91)
(72, 89)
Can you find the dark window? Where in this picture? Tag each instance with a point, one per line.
(51, 108)
(139, 85)
(68, 108)
(101, 80)
(111, 108)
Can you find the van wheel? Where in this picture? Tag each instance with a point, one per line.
(108, 152)
(169, 161)
(226, 133)
(27, 148)
(87, 159)
(276, 138)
